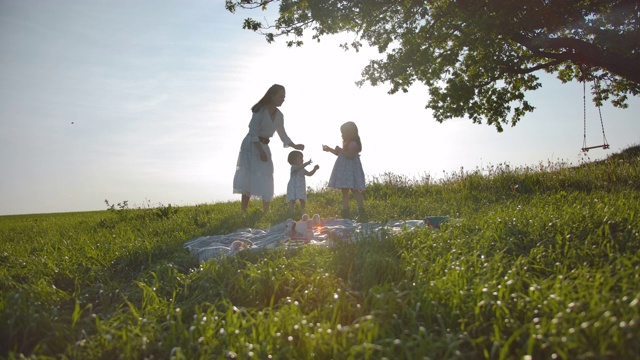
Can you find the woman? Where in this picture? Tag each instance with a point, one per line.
(254, 171)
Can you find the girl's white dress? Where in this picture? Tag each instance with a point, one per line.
(347, 173)
(297, 186)
(253, 176)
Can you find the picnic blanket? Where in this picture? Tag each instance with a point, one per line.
(207, 247)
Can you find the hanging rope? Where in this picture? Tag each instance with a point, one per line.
(605, 144)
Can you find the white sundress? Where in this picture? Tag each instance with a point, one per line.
(347, 173)
(253, 176)
(297, 186)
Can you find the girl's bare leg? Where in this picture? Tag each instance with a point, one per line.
(362, 216)
(265, 206)
(302, 204)
(245, 202)
(345, 199)
(359, 197)
(345, 204)
(291, 204)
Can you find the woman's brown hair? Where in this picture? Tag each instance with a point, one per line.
(268, 96)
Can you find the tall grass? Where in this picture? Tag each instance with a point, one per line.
(537, 262)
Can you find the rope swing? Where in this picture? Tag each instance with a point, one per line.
(604, 145)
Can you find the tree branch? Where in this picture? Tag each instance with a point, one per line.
(534, 68)
(581, 52)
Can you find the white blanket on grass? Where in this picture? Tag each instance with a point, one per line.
(206, 247)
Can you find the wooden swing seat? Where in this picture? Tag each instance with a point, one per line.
(604, 146)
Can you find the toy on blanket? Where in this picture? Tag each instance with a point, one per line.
(239, 245)
(302, 228)
(435, 221)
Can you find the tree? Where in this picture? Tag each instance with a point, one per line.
(477, 57)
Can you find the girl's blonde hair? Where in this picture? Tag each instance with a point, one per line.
(349, 132)
(292, 155)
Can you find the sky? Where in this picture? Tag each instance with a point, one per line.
(148, 101)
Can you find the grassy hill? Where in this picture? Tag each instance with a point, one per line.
(541, 262)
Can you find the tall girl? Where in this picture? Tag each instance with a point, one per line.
(347, 172)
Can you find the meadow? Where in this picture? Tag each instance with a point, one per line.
(538, 262)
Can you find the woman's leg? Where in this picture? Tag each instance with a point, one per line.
(245, 202)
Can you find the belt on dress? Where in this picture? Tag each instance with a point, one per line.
(264, 140)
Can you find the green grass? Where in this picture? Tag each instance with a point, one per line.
(542, 262)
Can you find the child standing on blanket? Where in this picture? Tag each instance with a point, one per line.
(297, 187)
(347, 172)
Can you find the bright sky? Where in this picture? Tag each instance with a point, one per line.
(148, 101)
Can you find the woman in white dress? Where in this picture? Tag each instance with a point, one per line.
(254, 170)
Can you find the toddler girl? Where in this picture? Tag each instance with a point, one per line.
(297, 187)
